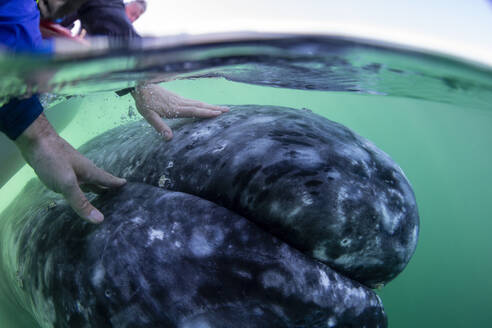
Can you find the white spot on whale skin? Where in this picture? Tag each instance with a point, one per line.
(307, 199)
(333, 174)
(154, 234)
(219, 147)
(341, 198)
(354, 297)
(78, 307)
(137, 220)
(196, 323)
(332, 322)
(205, 240)
(258, 311)
(275, 208)
(346, 260)
(272, 279)
(323, 279)
(176, 226)
(261, 120)
(293, 213)
(357, 259)
(391, 220)
(98, 275)
(256, 148)
(204, 132)
(308, 156)
(244, 274)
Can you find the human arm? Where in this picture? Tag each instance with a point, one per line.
(59, 166)
(62, 169)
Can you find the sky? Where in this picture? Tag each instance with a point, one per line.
(459, 27)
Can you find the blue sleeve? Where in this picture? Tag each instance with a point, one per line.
(18, 114)
(19, 32)
(19, 27)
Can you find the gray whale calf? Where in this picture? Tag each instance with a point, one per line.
(281, 180)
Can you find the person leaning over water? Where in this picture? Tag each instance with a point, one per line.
(107, 17)
(135, 9)
(58, 165)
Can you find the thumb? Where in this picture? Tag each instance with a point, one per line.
(79, 203)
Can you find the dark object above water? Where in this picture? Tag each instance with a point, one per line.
(282, 180)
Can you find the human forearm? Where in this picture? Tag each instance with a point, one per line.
(62, 169)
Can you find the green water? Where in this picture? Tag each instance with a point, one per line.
(444, 150)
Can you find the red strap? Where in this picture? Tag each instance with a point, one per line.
(53, 30)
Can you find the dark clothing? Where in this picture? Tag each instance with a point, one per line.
(18, 114)
(55, 9)
(102, 3)
(104, 17)
(108, 17)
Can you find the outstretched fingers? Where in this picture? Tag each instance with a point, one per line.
(192, 111)
(154, 103)
(101, 178)
(93, 179)
(158, 124)
(79, 203)
(201, 105)
(60, 167)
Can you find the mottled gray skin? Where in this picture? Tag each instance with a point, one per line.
(167, 259)
(311, 182)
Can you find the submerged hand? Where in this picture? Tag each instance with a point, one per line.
(61, 168)
(154, 102)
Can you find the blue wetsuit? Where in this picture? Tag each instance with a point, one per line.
(19, 32)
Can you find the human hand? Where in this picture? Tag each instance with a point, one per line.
(61, 168)
(154, 102)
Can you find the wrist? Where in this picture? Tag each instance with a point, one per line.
(38, 131)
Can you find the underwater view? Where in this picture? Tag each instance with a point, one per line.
(429, 113)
